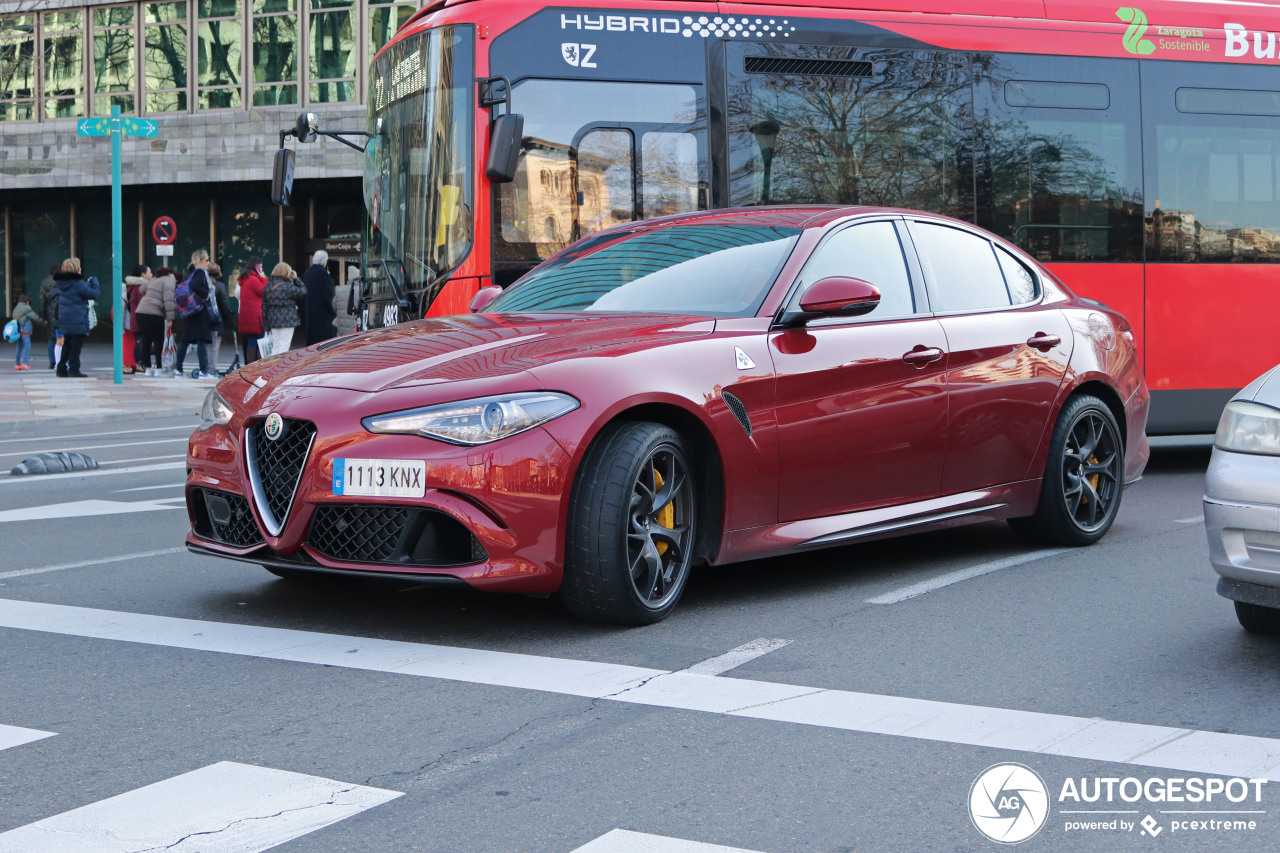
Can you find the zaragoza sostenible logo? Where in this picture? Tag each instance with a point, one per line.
(1133, 36)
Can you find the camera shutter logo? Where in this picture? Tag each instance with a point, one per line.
(1008, 803)
(274, 426)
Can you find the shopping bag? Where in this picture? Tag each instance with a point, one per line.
(266, 346)
(168, 355)
(93, 315)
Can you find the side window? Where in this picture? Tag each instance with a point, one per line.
(964, 270)
(870, 252)
(1021, 282)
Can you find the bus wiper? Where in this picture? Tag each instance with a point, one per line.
(396, 287)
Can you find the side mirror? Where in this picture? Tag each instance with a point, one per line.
(282, 177)
(504, 148)
(483, 297)
(835, 295)
(307, 127)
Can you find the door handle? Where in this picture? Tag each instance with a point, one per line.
(1043, 342)
(922, 355)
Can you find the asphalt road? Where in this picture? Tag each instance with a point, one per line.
(437, 748)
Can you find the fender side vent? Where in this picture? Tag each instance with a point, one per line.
(739, 410)
(808, 67)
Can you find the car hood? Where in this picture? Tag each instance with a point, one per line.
(1265, 389)
(450, 349)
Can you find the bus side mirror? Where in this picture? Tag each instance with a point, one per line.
(504, 148)
(282, 177)
(305, 129)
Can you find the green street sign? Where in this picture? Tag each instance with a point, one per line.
(108, 126)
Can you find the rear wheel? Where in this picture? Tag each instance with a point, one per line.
(631, 528)
(1083, 477)
(1257, 619)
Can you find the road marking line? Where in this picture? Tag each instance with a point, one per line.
(11, 736)
(625, 841)
(1141, 745)
(18, 573)
(143, 459)
(187, 427)
(735, 658)
(100, 472)
(92, 447)
(81, 509)
(1199, 519)
(915, 589)
(223, 808)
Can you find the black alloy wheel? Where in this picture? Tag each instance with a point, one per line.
(1083, 478)
(632, 526)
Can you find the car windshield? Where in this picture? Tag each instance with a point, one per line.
(718, 270)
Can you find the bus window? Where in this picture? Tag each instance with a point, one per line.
(1059, 155)
(843, 125)
(1215, 153)
(596, 154)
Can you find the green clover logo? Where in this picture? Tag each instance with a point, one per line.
(1133, 36)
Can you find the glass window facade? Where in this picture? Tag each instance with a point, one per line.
(186, 55)
(115, 67)
(17, 67)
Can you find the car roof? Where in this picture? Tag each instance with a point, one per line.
(787, 216)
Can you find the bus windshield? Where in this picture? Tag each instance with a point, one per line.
(418, 178)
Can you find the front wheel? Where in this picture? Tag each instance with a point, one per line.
(631, 527)
(1257, 619)
(1083, 477)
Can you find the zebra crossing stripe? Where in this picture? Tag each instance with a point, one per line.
(625, 841)
(1091, 739)
(15, 736)
(223, 808)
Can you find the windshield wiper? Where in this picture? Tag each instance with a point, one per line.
(396, 287)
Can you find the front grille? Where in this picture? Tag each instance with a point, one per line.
(275, 467)
(224, 517)
(395, 535)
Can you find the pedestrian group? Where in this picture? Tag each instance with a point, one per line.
(263, 313)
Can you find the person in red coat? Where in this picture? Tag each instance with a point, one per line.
(249, 326)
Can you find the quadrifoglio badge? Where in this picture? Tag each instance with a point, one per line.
(1010, 803)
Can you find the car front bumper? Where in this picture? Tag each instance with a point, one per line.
(1242, 520)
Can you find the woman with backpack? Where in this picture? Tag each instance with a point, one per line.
(74, 294)
(191, 298)
(280, 308)
(155, 316)
(25, 316)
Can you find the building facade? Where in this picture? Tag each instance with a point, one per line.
(221, 78)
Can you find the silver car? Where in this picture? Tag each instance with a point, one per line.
(1242, 504)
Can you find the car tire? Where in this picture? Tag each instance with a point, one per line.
(1083, 477)
(632, 526)
(1257, 619)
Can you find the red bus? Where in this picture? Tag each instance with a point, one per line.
(1136, 152)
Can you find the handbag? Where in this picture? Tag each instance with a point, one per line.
(169, 354)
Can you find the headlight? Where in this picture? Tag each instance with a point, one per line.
(1249, 428)
(477, 421)
(214, 411)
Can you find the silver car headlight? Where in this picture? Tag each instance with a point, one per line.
(214, 411)
(478, 421)
(1249, 428)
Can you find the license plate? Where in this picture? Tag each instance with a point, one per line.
(380, 478)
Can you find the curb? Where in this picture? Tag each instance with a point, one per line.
(104, 418)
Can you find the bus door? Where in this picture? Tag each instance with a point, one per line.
(596, 154)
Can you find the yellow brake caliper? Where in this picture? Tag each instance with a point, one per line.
(667, 515)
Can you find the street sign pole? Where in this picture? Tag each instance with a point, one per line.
(117, 253)
(115, 127)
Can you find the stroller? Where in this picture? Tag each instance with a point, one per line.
(235, 342)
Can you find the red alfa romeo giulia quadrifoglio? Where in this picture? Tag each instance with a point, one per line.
(711, 387)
